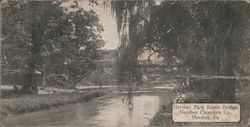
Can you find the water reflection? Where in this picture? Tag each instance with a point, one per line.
(119, 114)
(103, 112)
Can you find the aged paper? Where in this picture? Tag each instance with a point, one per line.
(125, 63)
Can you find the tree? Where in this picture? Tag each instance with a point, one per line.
(206, 37)
(201, 37)
(222, 32)
(131, 18)
(46, 34)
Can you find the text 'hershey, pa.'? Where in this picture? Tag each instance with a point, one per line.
(193, 112)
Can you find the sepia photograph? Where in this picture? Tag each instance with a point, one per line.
(125, 63)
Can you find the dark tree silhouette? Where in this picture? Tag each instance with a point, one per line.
(205, 37)
(50, 37)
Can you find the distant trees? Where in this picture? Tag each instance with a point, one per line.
(49, 37)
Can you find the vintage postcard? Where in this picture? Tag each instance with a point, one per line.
(125, 63)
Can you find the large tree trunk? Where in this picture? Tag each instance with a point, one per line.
(30, 82)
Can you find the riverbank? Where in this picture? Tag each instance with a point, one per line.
(107, 111)
(163, 118)
(35, 102)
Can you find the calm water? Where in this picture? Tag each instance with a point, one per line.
(109, 111)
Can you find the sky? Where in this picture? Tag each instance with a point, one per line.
(110, 34)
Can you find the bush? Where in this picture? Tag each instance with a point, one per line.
(29, 103)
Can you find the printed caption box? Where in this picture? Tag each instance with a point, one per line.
(193, 112)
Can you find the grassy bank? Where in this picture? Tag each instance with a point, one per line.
(29, 103)
(163, 117)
